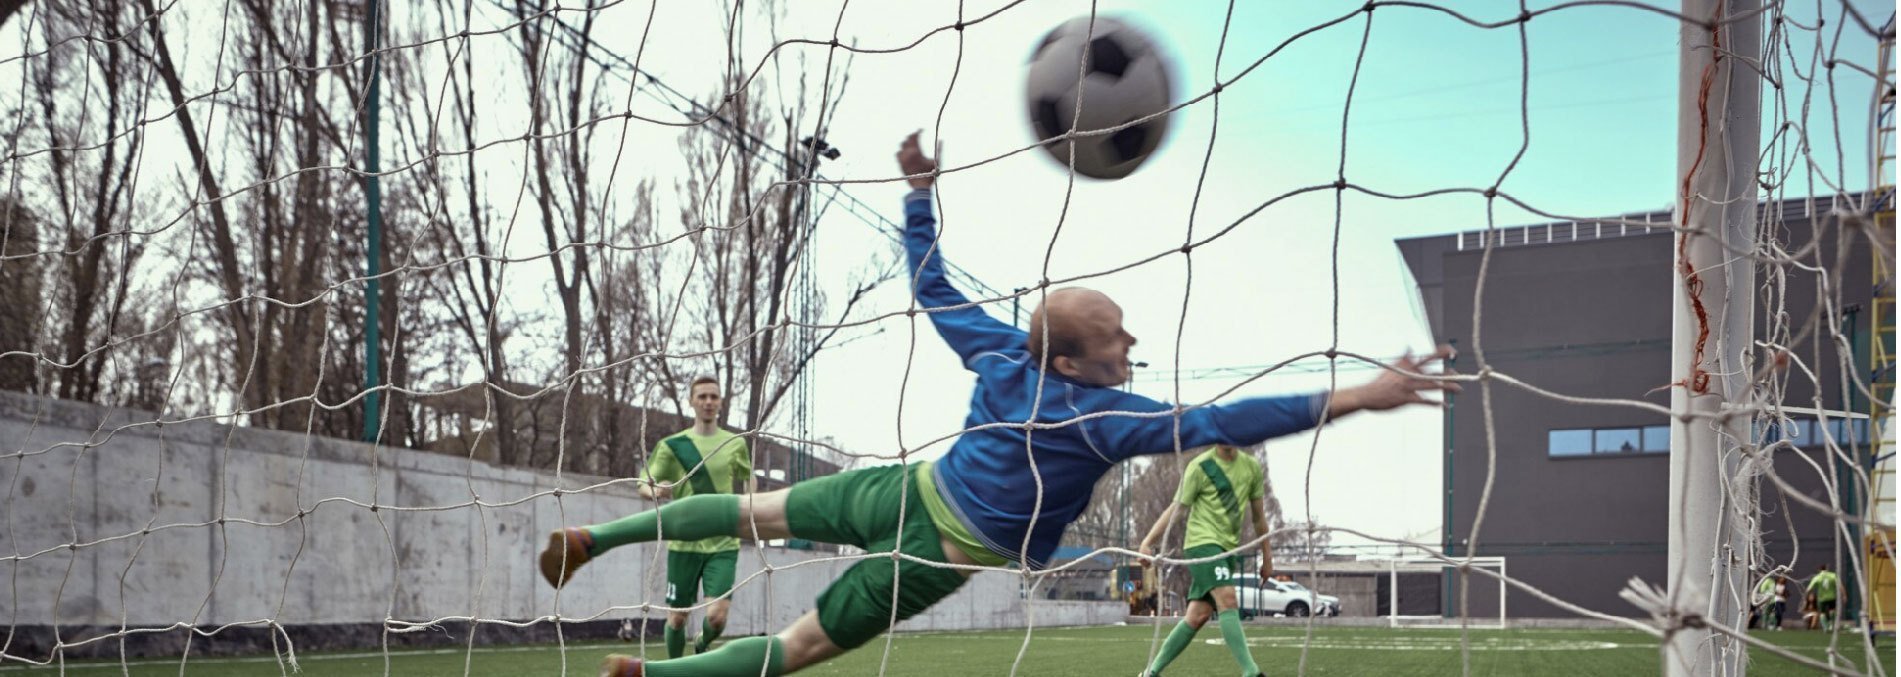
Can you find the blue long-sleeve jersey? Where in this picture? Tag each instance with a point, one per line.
(986, 479)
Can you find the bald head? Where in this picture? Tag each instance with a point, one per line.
(1085, 336)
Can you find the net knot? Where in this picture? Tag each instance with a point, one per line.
(1667, 612)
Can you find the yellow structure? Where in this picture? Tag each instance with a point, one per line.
(1878, 544)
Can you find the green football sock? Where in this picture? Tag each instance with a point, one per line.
(1178, 639)
(708, 633)
(738, 658)
(688, 519)
(676, 641)
(1238, 642)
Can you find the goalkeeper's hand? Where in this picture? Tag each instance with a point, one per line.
(1148, 555)
(915, 164)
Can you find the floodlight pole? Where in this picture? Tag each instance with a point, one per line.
(1718, 137)
(373, 196)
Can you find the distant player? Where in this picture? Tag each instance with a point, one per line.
(1823, 589)
(1216, 487)
(703, 460)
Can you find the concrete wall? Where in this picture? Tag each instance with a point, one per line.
(108, 520)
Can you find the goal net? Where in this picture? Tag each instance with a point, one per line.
(317, 317)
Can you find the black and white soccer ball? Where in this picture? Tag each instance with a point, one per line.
(627, 632)
(1123, 76)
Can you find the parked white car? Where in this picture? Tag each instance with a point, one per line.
(1278, 598)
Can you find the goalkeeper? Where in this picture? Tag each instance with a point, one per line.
(982, 503)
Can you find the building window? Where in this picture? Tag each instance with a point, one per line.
(1618, 441)
(1657, 438)
(1843, 432)
(1570, 442)
(1804, 433)
(1608, 441)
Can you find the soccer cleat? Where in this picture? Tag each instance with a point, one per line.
(566, 551)
(621, 665)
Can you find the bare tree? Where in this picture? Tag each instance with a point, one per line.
(267, 234)
(84, 95)
(226, 268)
(21, 309)
(295, 226)
(458, 224)
(8, 8)
(628, 323)
(752, 221)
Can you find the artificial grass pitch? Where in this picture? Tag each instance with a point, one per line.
(1058, 652)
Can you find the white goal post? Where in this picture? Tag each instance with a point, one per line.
(1400, 565)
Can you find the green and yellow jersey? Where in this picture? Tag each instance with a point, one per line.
(1217, 494)
(714, 462)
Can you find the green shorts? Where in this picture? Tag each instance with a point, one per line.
(861, 508)
(1206, 576)
(689, 572)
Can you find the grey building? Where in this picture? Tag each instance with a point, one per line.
(1579, 494)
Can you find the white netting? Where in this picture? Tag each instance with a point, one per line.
(565, 213)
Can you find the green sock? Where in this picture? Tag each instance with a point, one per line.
(708, 633)
(1178, 639)
(676, 641)
(1238, 642)
(688, 519)
(738, 658)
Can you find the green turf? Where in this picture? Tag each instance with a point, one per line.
(1114, 651)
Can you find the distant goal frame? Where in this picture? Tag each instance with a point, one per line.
(1444, 567)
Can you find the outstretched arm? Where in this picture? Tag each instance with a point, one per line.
(1239, 423)
(1396, 387)
(1254, 420)
(968, 330)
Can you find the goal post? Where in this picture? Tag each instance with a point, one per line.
(1400, 614)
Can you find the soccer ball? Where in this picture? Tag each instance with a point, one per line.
(1125, 78)
(627, 632)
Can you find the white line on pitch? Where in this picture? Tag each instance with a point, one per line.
(90, 664)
